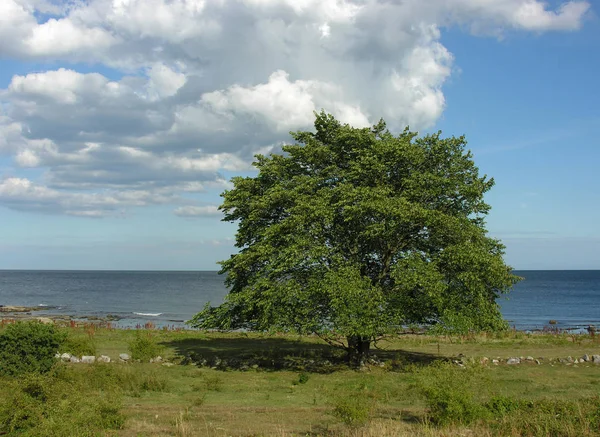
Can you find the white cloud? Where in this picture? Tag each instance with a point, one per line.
(196, 87)
(23, 194)
(197, 211)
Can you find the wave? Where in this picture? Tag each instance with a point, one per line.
(148, 314)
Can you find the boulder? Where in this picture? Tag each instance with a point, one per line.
(104, 359)
(483, 361)
(513, 361)
(65, 357)
(596, 359)
(495, 361)
(124, 357)
(88, 359)
(74, 359)
(530, 358)
(586, 358)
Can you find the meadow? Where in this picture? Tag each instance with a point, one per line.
(252, 384)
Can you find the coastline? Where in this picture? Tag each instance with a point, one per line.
(45, 315)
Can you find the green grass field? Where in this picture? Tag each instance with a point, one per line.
(313, 393)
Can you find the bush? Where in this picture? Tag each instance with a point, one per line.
(449, 396)
(27, 347)
(144, 347)
(46, 405)
(354, 410)
(79, 346)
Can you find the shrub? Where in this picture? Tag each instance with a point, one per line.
(449, 395)
(44, 405)
(302, 378)
(28, 347)
(144, 347)
(77, 345)
(354, 410)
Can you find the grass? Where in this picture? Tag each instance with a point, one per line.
(309, 399)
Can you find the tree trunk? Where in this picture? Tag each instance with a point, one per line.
(358, 349)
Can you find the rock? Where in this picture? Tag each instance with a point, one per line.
(158, 359)
(538, 362)
(513, 361)
(254, 366)
(570, 359)
(586, 358)
(45, 320)
(494, 361)
(88, 359)
(576, 361)
(74, 359)
(104, 359)
(57, 355)
(167, 364)
(65, 357)
(596, 359)
(530, 358)
(124, 357)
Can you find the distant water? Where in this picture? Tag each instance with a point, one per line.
(164, 298)
(572, 298)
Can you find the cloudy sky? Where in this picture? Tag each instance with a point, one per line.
(121, 121)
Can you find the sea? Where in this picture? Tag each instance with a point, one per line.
(568, 298)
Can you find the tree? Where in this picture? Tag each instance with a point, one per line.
(354, 233)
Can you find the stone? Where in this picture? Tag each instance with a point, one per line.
(483, 361)
(576, 361)
(57, 355)
(513, 361)
(530, 358)
(167, 364)
(124, 357)
(65, 357)
(570, 359)
(88, 359)
(74, 359)
(538, 362)
(596, 359)
(158, 359)
(586, 358)
(104, 359)
(495, 362)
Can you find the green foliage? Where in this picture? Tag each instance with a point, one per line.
(144, 346)
(449, 395)
(357, 232)
(27, 347)
(213, 383)
(353, 410)
(303, 378)
(36, 405)
(550, 417)
(79, 345)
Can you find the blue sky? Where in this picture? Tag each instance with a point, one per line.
(120, 127)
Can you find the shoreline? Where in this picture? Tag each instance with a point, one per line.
(16, 312)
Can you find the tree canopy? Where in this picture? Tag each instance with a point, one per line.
(353, 233)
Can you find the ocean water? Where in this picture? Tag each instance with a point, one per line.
(136, 297)
(572, 298)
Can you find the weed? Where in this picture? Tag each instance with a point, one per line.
(144, 346)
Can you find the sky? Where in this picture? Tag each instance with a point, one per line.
(121, 121)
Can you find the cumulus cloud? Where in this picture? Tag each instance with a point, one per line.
(197, 86)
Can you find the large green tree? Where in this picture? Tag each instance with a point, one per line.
(353, 233)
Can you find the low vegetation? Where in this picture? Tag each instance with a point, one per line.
(421, 385)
